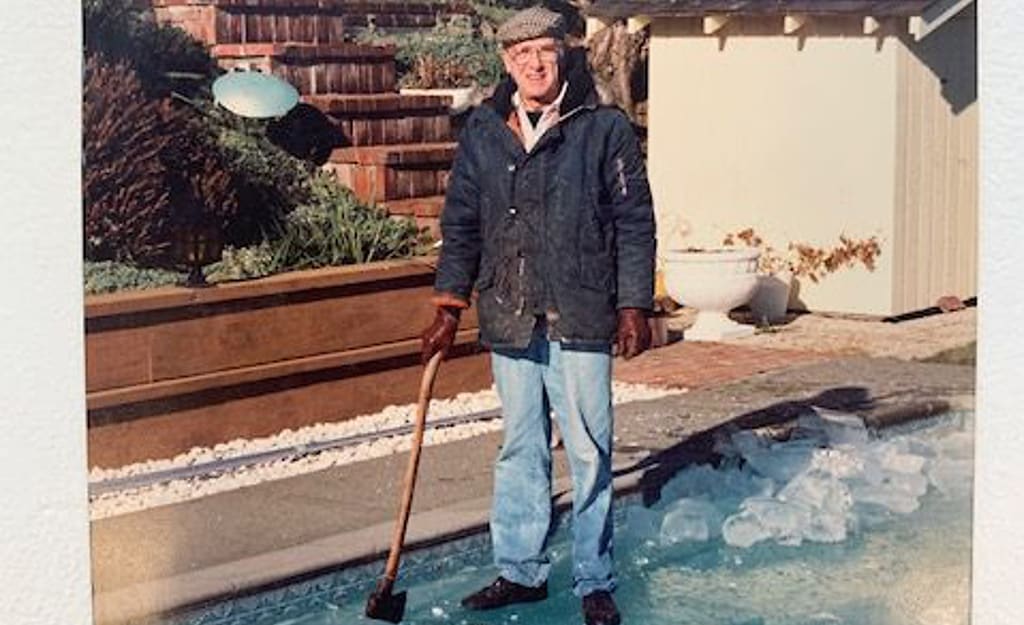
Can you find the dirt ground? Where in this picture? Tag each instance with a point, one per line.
(945, 336)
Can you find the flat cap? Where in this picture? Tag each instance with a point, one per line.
(531, 23)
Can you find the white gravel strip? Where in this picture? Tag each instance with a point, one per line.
(133, 500)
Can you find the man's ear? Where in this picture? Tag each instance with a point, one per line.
(506, 61)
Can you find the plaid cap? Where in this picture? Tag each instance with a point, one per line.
(531, 23)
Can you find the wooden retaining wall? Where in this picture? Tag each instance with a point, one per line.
(170, 369)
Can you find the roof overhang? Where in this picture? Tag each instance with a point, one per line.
(926, 15)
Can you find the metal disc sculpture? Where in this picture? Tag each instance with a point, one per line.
(254, 94)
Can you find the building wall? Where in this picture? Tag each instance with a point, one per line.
(793, 135)
(936, 201)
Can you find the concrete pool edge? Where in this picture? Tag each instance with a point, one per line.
(184, 592)
(189, 591)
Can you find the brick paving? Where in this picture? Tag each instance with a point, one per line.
(696, 364)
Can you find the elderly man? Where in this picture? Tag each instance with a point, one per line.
(548, 218)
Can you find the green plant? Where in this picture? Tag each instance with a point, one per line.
(166, 58)
(268, 181)
(333, 228)
(448, 56)
(803, 260)
(243, 263)
(111, 276)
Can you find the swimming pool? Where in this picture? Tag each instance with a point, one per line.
(856, 531)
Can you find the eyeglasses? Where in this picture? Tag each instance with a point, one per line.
(546, 54)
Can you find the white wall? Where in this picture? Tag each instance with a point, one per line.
(752, 130)
(44, 558)
(999, 451)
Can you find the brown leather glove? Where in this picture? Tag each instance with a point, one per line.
(634, 335)
(441, 333)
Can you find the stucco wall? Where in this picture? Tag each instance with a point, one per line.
(794, 136)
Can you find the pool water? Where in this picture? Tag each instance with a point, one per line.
(853, 532)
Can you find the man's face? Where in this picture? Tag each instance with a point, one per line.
(533, 65)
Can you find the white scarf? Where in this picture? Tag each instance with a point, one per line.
(548, 118)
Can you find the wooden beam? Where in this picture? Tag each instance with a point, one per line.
(915, 26)
(936, 14)
(793, 22)
(637, 23)
(871, 25)
(714, 23)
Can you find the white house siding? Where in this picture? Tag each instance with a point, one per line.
(793, 135)
(936, 203)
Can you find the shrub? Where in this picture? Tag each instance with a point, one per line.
(110, 276)
(333, 228)
(148, 167)
(268, 181)
(164, 56)
(125, 197)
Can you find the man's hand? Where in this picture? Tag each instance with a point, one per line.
(441, 333)
(634, 335)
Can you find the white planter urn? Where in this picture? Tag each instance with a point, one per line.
(770, 300)
(714, 281)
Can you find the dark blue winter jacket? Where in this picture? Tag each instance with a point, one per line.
(565, 231)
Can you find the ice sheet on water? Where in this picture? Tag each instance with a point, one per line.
(643, 524)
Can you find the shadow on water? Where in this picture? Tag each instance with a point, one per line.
(698, 448)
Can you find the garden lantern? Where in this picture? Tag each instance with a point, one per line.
(198, 244)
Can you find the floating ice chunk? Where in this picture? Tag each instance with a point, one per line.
(957, 446)
(841, 462)
(829, 503)
(438, 612)
(763, 518)
(892, 499)
(690, 520)
(781, 461)
(837, 428)
(744, 530)
(952, 477)
(694, 481)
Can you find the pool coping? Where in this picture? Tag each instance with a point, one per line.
(154, 599)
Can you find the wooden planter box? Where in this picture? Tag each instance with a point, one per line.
(170, 369)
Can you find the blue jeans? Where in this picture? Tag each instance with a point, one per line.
(577, 385)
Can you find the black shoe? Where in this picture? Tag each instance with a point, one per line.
(502, 592)
(599, 609)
